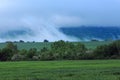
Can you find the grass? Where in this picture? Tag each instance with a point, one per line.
(26, 45)
(40, 45)
(94, 44)
(61, 70)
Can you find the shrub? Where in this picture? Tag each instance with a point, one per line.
(108, 51)
(5, 54)
(67, 50)
(12, 47)
(47, 56)
(18, 57)
(32, 52)
(23, 52)
(35, 58)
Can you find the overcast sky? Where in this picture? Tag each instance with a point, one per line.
(45, 17)
(60, 12)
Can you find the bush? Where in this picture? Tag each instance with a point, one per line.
(32, 52)
(35, 58)
(61, 50)
(18, 57)
(108, 51)
(47, 56)
(23, 52)
(12, 47)
(67, 50)
(6, 54)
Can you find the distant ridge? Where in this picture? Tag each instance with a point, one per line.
(79, 33)
(89, 33)
(15, 33)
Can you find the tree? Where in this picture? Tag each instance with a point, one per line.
(12, 47)
(59, 48)
(44, 49)
(108, 51)
(32, 52)
(23, 52)
(21, 41)
(80, 48)
(68, 50)
(46, 40)
(5, 54)
(47, 56)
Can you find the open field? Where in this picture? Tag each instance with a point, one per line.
(61, 70)
(40, 45)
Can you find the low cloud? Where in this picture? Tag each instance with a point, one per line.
(40, 29)
(45, 17)
(66, 21)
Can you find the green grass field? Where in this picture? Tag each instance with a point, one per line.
(61, 70)
(40, 45)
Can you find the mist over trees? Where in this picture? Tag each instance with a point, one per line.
(61, 50)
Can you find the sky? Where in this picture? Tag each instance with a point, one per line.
(62, 12)
(36, 14)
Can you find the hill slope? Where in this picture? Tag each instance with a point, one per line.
(89, 33)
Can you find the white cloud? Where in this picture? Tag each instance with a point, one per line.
(44, 16)
(61, 20)
(41, 29)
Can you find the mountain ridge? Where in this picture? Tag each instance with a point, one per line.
(91, 32)
(82, 33)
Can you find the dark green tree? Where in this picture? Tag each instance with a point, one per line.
(23, 52)
(67, 50)
(108, 51)
(12, 47)
(5, 54)
(31, 52)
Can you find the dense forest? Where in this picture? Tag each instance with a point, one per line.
(60, 50)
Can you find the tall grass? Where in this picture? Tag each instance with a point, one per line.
(61, 70)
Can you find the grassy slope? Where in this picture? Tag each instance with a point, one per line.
(39, 45)
(61, 70)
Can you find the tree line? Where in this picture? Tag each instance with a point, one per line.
(61, 50)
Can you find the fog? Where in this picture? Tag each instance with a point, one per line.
(33, 29)
(41, 19)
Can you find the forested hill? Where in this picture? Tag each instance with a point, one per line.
(89, 33)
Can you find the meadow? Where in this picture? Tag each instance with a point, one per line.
(61, 70)
(40, 45)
